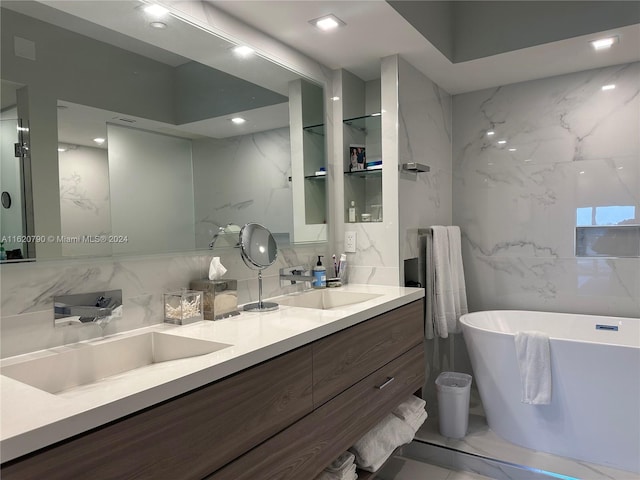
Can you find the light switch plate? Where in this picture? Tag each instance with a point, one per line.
(350, 242)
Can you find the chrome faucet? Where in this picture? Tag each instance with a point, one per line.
(228, 228)
(295, 274)
(96, 307)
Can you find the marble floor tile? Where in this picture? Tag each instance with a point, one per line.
(484, 444)
(401, 468)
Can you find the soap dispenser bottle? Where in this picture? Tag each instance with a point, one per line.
(319, 274)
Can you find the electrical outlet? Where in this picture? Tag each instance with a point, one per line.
(350, 242)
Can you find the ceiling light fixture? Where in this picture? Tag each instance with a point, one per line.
(158, 25)
(238, 120)
(512, 149)
(243, 50)
(335, 99)
(604, 43)
(327, 22)
(491, 132)
(608, 87)
(501, 142)
(62, 149)
(156, 10)
(99, 140)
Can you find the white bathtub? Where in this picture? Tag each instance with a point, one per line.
(594, 414)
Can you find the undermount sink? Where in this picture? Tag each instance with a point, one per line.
(87, 363)
(325, 299)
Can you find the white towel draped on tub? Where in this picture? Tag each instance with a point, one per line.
(445, 274)
(534, 362)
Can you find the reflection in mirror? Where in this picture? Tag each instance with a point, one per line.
(259, 251)
(133, 147)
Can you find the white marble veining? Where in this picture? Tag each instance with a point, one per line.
(576, 146)
(28, 290)
(241, 179)
(84, 199)
(32, 418)
(425, 127)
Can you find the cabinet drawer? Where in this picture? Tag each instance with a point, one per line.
(346, 357)
(304, 449)
(187, 437)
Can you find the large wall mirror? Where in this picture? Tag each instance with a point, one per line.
(145, 134)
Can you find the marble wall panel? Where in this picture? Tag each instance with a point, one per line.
(569, 145)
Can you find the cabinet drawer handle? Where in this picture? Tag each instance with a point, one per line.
(389, 380)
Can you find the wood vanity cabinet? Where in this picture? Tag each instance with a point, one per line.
(286, 418)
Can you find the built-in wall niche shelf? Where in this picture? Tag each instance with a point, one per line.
(365, 173)
(362, 137)
(365, 123)
(316, 177)
(315, 129)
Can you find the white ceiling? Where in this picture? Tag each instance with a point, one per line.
(374, 30)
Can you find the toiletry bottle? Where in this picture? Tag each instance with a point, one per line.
(320, 274)
(352, 212)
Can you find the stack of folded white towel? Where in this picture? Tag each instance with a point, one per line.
(342, 468)
(412, 411)
(396, 429)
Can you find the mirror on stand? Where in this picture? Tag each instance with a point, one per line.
(258, 250)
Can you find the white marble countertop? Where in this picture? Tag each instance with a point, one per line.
(32, 418)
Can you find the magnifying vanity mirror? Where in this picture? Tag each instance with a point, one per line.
(258, 250)
(146, 140)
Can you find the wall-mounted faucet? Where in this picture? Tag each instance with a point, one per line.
(227, 229)
(294, 274)
(95, 307)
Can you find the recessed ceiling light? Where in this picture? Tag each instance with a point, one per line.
(238, 120)
(62, 149)
(512, 149)
(158, 25)
(581, 172)
(604, 43)
(335, 99)
(491, 132)
(243, 50)
(156, 10)
(328, 22)
(99, 140)
(501, 142)
(608, 87)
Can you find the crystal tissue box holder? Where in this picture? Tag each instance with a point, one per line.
(183, 307)
(220, 297)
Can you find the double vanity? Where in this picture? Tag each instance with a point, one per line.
(276, 394)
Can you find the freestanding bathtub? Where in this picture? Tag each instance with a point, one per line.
(594, 414)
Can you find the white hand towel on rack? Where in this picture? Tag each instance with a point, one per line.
(534, 363)
(444, 311)
(457, 274)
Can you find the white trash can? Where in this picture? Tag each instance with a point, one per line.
(453, 403)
